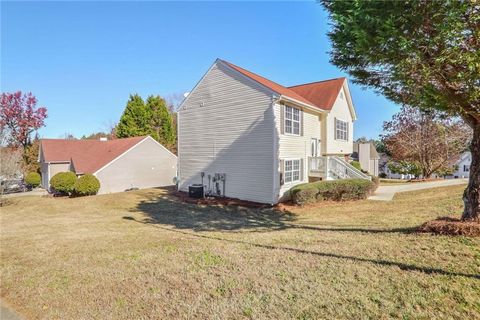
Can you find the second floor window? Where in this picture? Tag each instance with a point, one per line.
(466, 168)
(341, 130)
(292, 120)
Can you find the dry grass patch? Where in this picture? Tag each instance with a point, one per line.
(145, 255)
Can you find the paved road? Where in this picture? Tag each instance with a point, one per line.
(386, 193)
(6, 313)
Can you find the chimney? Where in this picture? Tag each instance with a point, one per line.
(103, 138)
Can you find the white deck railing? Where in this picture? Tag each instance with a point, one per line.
(334, 167)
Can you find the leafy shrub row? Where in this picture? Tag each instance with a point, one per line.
(66, 183)
(337, 190)
(33, 179)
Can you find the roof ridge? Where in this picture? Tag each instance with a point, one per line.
(313, 82)
(234, 65)
(78, 140)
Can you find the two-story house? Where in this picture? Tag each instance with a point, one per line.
(243, 136)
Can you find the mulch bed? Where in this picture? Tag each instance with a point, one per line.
(452, 227)
(223, 201)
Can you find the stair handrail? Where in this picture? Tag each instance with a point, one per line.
(352, 171)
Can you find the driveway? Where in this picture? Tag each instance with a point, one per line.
(386, 193)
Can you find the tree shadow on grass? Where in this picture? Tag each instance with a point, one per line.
(165, 209)
(400, 265)
(169, 210)
(161, 210)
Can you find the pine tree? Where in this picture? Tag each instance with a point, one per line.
(135, 120)
(161, 124)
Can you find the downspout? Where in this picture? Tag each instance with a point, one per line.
(275, 154)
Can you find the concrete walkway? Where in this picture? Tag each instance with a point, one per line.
(7, 313)
(37, 192)
(386, 193)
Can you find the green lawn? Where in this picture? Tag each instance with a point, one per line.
(144, 255)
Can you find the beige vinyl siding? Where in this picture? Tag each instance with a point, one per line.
(232, 133)
(297, 147)
(58, 167)
(146, 165)
(44, 174)
(341, 111)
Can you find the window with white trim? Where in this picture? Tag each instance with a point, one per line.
(341, 130)
(466, 168)
(292, 170)
(292, 120)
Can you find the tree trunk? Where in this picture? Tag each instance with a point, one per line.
(471, 196)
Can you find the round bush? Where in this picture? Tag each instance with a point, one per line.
(63, 182)
(87, 185)
(33, 179)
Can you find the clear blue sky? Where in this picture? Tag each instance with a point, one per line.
(83, 59)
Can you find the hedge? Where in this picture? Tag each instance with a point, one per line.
(33, 179)
(86, 185)
(63, 182)
(337, 190)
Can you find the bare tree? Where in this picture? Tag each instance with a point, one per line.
(427, 138)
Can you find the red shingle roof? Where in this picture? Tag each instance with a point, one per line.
(87, 156)
(320, 94)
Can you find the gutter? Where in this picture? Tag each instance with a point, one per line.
(302, 104)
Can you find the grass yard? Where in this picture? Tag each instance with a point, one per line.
(143, 255)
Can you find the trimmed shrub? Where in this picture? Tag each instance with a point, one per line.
(305, 196)
(63, 182)
(337, 190)
(33, 179)
(87, 185)
(356, 165)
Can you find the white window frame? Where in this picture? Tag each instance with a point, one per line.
(466, 168)
(292, 171)
(343, 131)
(292, 120)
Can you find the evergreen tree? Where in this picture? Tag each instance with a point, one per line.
(161, 124)
(135, 120)
(417, 53)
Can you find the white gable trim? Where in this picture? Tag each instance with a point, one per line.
(180, 107)
(255, 82)
(130, 149)
(349, 100)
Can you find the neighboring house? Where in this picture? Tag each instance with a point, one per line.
(244, 136)
(366, 153)
(383, 169)
(462, 166)
(120, 164)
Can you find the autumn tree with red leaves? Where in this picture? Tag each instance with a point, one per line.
(19, 117)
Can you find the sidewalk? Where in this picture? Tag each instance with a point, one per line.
(6, 313)
(386, 193)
